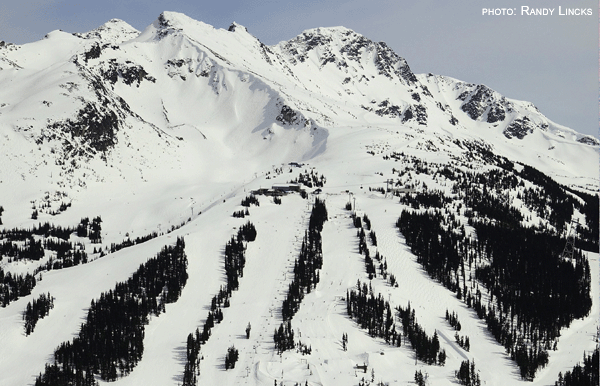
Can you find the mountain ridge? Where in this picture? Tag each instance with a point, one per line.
(91, 93)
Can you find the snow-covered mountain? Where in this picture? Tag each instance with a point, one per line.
(163, 132)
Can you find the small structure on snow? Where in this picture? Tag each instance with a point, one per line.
(287, 187)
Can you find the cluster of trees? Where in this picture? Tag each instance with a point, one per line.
(90, 230)
(420, 379)
(356, 221)
(195, 341)
(311, 179)
(62, 208)
(61, 247)
(436, 248)
(364, 249)
(241, 213)
(308, 262)
(14, 286)
(128, 242)
(463, 341)
(284, 337)
(30, 250)
(191, 370)
(303, 349)
(45, 230)
(426, 349)
(487, 193)
(383, 269)
(537, 292)
(235, 258)
(492, 205)
(67, 253)
(247, 232)
(231, 357)
(372, 313)
(110, 342)
(367, 221)
(428, 199)
(234, 261)
(295, 383)
(366, 382)
(533, 292)
(64, 259)
(377, 189)
(20, 243)
(452, 318)
(467, 375)
(529, 358)
(373, 237)
(37, 310)
(586, 375)
(527, 274)
(588, 236)
(391, 279)
(250, 200)
(562, 200)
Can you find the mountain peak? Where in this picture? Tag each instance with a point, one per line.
(115, 30)
(342, 46)
(172, 19)
(329, 31)
(169, 22)
(236, 27)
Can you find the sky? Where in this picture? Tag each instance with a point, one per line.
(550, 60)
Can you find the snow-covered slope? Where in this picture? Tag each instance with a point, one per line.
(168, 129)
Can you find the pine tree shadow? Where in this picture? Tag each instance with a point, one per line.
(180, 354)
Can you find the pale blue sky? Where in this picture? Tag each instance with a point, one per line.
(551, 61)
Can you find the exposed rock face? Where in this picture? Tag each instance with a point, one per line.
(342, 46)
(416, 112)
(287, 116)
(519, 128)
(94, 129)
(483, 100)
(589, 141)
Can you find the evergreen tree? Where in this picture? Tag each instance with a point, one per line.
(231, 357)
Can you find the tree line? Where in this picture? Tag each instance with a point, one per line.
(234, 262)
(374, 314)
(110, 342)
(20, 244)
(37, 310)
(533, 292)
(582, 375)
(309, 261)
